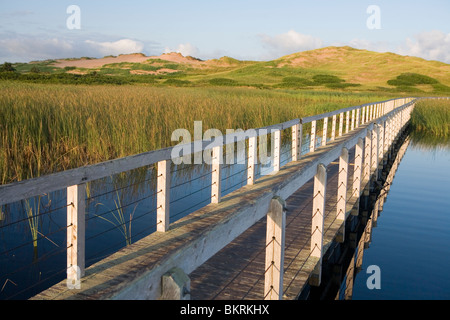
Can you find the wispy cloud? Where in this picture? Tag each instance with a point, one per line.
(431, 45)
(289, 42)
(122, 46)
(186, 49)
(24, 48)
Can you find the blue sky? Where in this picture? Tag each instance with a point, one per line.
(251, 30)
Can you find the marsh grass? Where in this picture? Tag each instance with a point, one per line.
(50, 128)
(118, 213)
(32, 212)
(432, 117)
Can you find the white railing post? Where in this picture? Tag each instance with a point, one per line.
(318, 214)
(275, 240)
(347, 121)
(297, 132)
(216, 182)
(390, 131)
(325, 131)
(374, 155)
(358, 114)
(312, 145)
(357, 174)
(342, 185)
(163, 196)
(252, 159)
(353, 120)
(396, 127)
(76, 207)
(341, 123)
(386, 136)
(277, 150)
(367, 159)
(333, 128)
(341, 198)
(380, 144)
(363, 114)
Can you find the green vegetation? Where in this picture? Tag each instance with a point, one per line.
(409, 82)
(432, 117)
(7, 67)
(295, 82)
(63, 78)
(223, 82)
(53, 127)
(177, 82)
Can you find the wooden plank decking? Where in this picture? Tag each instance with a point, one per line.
(190, 240)
(237, 271)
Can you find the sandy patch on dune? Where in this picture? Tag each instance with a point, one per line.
(98, 63)
(178, 58)
(132, 58)
(77, 72)
(160, 71)
(139, 58)
(320, 56)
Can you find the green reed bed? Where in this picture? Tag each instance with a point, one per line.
(46, 128)
(432, 117)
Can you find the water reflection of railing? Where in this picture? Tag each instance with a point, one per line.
(147, 180)
(362, 230)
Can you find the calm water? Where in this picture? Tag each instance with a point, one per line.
(411, 243)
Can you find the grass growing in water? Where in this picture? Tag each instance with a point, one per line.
(432, 117)
(119, 216)
(33, 219)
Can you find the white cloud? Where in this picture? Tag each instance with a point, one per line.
(123, 46)
(23, 48)
(431, 45)
(378, 46)
(186, 49)
(290, 42)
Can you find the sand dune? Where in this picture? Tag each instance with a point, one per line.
(133, 58)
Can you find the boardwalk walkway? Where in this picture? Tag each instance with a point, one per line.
(223, 247)
(237, 271)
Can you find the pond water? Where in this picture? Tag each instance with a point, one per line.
(411, 243)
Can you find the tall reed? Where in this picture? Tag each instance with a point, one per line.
(119, 216)
(32, 213)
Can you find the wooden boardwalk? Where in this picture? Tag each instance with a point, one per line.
(237, 271)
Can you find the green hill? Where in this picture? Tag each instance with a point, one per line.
(330, 68)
